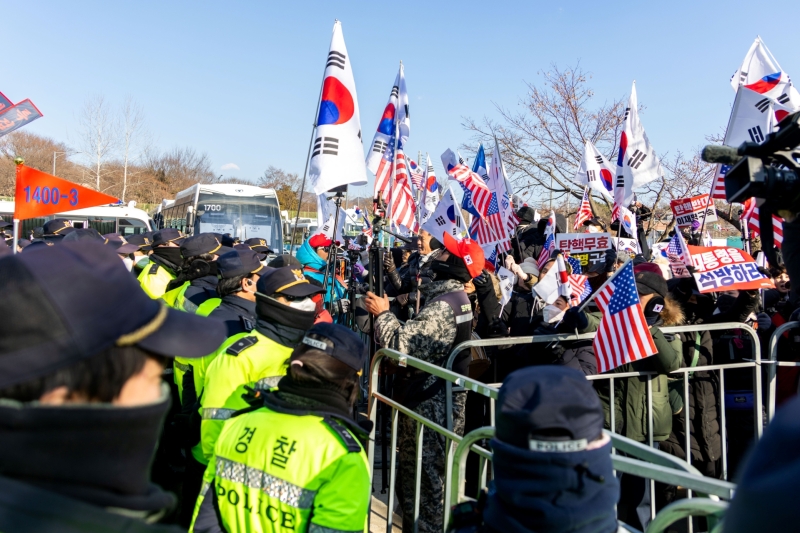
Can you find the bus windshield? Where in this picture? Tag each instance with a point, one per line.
(241, 216)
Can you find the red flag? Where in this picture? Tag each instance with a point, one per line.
(39, 194)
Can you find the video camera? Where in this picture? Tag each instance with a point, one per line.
(769, 172)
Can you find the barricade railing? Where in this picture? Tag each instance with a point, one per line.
(641, 461)
(774, 364)
(422, 424)
(755, 364)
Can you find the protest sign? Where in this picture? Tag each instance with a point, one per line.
(687, 210)
(14, 117)
(720, 268)
(588, 248)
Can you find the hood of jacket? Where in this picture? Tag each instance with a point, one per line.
(308, 257)
(558, 492)
(672, 314)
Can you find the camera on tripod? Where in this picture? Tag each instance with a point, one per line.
(769, 172)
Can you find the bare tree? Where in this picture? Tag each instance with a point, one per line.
(133, 138)
(286, 185)
(543, 143)
(98, 136)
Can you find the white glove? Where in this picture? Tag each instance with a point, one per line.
(510, 263)
(516, 269)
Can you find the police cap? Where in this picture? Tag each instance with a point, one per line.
(239, 263)
(143, 241)
(338, 342)
(73, 301)
(259, 245)
(166, 235)
(286, 280)
(57, 227)
(205, 243)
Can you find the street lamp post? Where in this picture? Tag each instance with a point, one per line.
(54, 160)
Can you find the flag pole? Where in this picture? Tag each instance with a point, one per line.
(503, 172)
(394, 168)
(15, 221)
(308, 156)
(591, 296)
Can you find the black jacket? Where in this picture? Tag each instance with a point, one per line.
(28, 509)
(238, 314)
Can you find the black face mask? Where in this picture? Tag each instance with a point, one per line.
(725, 303)
(652, 311)
(452, 268)
(273, 311)
(169, 253)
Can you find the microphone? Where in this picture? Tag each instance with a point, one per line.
(720, 154)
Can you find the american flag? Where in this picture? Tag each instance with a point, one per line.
(479, 193)
(416, 173)
(777, 226)
(403, 206)
(579, 285)
(550, 241)
(623, 335)
(383, 176)
(584, 211)
(677, 247)
(718, 191)
(490, 229)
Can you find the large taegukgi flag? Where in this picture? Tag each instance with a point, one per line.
(337, 156)
(637, 162)
(760, 72)
(430, 192)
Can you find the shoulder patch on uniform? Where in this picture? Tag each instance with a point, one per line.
(348, 440)
(241, 345)
(153, 269)
(247, 324)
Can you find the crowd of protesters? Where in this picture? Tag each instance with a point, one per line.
(264, 432)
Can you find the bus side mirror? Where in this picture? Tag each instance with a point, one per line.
(189, 219)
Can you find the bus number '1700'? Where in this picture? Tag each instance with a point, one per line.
(213, 207)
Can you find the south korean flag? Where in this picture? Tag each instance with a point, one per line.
(446, 218)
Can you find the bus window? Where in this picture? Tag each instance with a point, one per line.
(131, 226)
(103, 225)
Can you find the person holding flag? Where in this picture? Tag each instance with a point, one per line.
(634, 305)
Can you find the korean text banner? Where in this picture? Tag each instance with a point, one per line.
(588, 248)
(719, 268)
(39, 194)
(687, 210)
(5, 103)
(13, 118)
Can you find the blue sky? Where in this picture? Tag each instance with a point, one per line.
(239, 80)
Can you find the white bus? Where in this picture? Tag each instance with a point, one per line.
(112, 218)
(244, 211)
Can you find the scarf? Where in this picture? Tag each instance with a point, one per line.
(96, 453)
(281, 323)
(167, 256)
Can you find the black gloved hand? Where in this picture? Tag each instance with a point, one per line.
(402, 299)
(388, 263)
(574, 318)
(482, 280)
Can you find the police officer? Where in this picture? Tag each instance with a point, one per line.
(239, 272)
(83, 403)
(55, 230)
(257, 359)
(140, 256)
(260, 246)
(164, 262)
(294, 462)
(444, 322)
(196, 280)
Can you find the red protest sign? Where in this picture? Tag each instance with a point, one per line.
(687, 210)
(39, 194)
(719, 268)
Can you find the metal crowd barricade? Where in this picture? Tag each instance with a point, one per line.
(641, 461)
(423, 424)
(774, 364)
(755, 364)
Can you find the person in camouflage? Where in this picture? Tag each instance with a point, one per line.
(442, 323)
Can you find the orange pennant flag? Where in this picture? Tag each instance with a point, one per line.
(39, 194)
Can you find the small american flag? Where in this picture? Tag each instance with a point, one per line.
(549, 242)
(403, 205)
(677, 247)
(383, 176)
(580, 288)
(480, 194)
(416, 173)
(623, 335)
(584, 211)
(489, 229)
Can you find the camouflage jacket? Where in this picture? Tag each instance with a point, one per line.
(429, 335)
